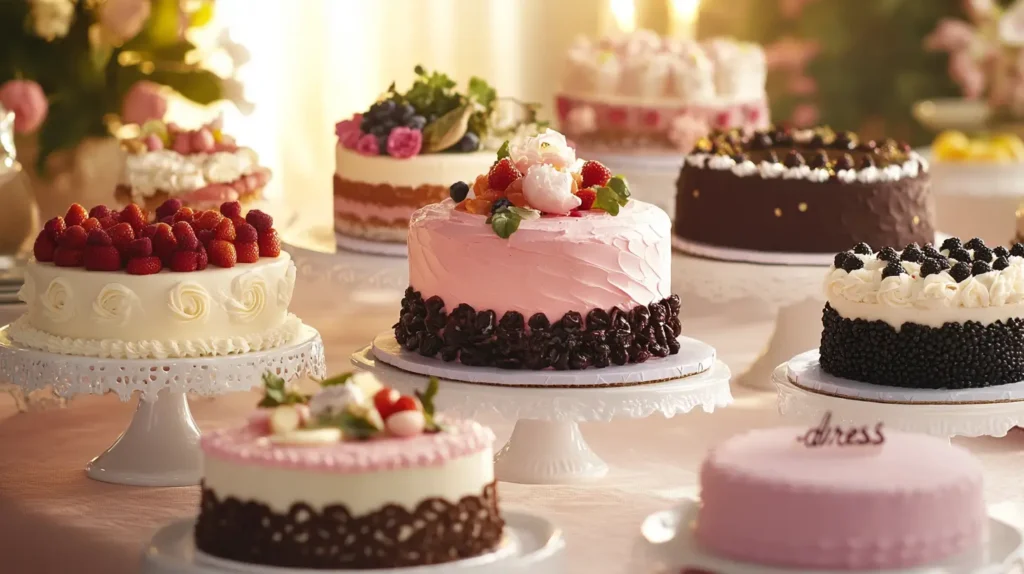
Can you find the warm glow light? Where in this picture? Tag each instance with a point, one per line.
(683, 18)
(624, 13)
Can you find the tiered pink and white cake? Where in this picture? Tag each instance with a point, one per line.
(549, 264)
(354, 477)
(643, 92)
(840, 498)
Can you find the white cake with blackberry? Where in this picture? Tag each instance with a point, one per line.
(947, 317)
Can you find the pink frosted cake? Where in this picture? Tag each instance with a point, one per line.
(833, 498)
(643, 92)
(354, 477)
(549, 264)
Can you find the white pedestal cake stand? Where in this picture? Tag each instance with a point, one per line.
(806, 392)
(547, 446)
(794, 290)
(160, 447)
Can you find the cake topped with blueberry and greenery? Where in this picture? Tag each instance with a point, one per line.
(813, 191)
(946, 316)
(545, 262)
(408, 146)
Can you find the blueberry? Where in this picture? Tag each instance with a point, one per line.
(1000, 263)
(1001, 251)
(500, 203)
(844, 162)
(458, 191)
(980, 267)
(950, 244)
(888, 254)
(974, 243)
(912, 254)
(862, 249)
(771, 157)
(960, 254)
(404, 112)
(930, 267)
(983, 254)
(845, 140)
(469, 143)
(853, 263)
(893, 269)
(930, 251)
(382, 144)
(819, 160)
(380, 130)
(1017, 250)
(840, 259)
(388, 107)
(416, 122)
(794, 159)
(960, 271)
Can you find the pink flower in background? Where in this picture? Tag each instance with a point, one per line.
(967, 73)
(123, 19)
(404, 142)
(790, 53)
(792, 8)
(367, 145)
(950, 35)
(348, 126)
(684, 131)
(581, 120)
(28, 102)
(805, 115)
(143, 102)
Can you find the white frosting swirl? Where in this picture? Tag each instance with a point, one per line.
(27, 293)
(190, 301)
(57, 301)
(911, 168)
(248, 298)
(938, 290)
(114, 304)
(895, 291)
(286, 286)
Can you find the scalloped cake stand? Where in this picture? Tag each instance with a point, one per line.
(806, 392)
(160, 447)
(546, 446)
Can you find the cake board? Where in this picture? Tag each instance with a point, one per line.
(806, 392)
(368, 279)
(547, 446)
(160, 447)
(532, 544)
(652, 177)
(666, 544)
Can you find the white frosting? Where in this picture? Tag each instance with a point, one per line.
(745, 168)
(171, 172)
(441, 169)
(248, 298)
(58, 301)
(114, 304)
(770, 170)
(189, 302)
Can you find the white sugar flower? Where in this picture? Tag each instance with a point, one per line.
(549, 190)
(549, 147)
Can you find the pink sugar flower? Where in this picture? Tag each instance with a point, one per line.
(28, 102)
(367, 145)
(350, 139)
(348, 126)
(143, 102)
(404, 142)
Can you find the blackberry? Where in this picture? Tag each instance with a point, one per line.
(512, 321)
(862, 249)
(912, 253)
(462, 317)
(449, 354)
(867, 162)
(980, 268)
(659, 312)
(844, 162)
(888, 254)
(658, 350)
(676, 325)
(794, 159)
(483, 323)
(1001, 251)
(960, 254)
(571, 322)
(983, 254)
(458, 191)
(434, 304)
(840, 259)
(500, 203)
(930, 251)
(412, 342)
(852, 263)
(1000, 263)
(819, 160)
(1017, 250)
(893, 269)
(639, 318)
(673, 346)
(930, 267)
(539, 322)
(620, 320)
(950, 244)
(430, 345)
(974, 243)
(639, 354)
(436, 321)
(674, 303)
(960, 271)
(578, 361)
(598, 319)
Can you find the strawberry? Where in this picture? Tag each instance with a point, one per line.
(202, 259)
(185, 236)
(169, 220)
(237, 220)
(184, 261)
(121, 235)
(98, 237)
(231, 209)
(261, 221)
(149, 230)
(588, 196)
(144, 265)
(107, 222)
(502, 173)
(44, 247)
(164, 242)
(134, 215)
(91, 223)
(74, 237)
(207, 220)
(205, 236)
(68, 257)
(222, 253)
(100, 253)
(405, 403)
(384, 401)
(270, 243)
(246, 233)
(247, 251)
(226, 230)
(54, 228)
(595, 174)
(139, 248)
(99, 212)
(168, 208)
(76, 215)
(184, 214)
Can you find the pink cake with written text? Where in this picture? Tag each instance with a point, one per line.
(834, 498)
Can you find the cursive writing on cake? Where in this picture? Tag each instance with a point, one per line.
(828, 434)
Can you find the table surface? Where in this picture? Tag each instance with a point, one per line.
(55, 520)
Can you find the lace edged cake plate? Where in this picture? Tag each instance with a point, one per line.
(666, 544)
(807, 392)
(532, 544)
(547, 446)
(160, 447)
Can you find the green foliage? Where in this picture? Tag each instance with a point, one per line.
(276, 393)
(612, 196)
(426, 398)
(434, 95)
(505, 222)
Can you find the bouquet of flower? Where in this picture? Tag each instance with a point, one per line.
(73, 69)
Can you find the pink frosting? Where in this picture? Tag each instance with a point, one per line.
(769, 500)
(248, 444)
(551, 265)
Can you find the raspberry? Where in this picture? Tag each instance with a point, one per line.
(184, 214)
(134, 215)
(231, 209)
(44, 247)
(91, 223)
(169, 220)
(139, 248)
(184, 261)
(54, 228)
(588, 196)
(74, 237)
(67, 257)
(595, 173)
(98, 237)
(270, 244)
(185, 236)
(144, 266)
(121, 235)
(261, 221)
(76, 215)
(99, 212)
(237, 220)
(168, 208)
(222, 253)
(247, 251)
(202, 259)
(207, 220)
(502, 174)
(226, 230)
(164, 242)
(102, 257)
(205, 236)
(246, 233)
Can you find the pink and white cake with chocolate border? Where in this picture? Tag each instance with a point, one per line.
(356, 476)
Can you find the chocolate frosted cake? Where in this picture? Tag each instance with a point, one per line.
(805, 192)
(950, 317)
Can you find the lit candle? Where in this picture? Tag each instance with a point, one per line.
(683, 18)
(624, 15)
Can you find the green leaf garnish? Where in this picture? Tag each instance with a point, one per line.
(427, 400)
(276, 393)
(447, 130)
(481, 92)
(336, 380)
(503, 151)
(620, 187)
(505, 222)
(607, 200)
(350, 424)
